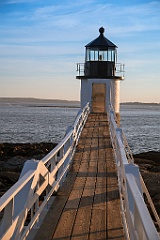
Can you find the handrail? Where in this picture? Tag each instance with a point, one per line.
(55, 151)
(119, 69)
(145, 190)
(29, 196)
(131, 187)
(4, 200)
(141, 220)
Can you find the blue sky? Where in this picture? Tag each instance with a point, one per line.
(41, 42)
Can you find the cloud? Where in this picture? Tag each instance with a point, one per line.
(86, 15)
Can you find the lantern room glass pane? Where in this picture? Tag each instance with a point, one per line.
(109, 55)
(102, 55)
(96, 55)
(87, 55)
(113, 58)
(91, 55)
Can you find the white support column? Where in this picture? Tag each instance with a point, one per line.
(115, 92)
(117, 102)
(116, 95)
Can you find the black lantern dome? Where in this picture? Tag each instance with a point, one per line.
(101, 42)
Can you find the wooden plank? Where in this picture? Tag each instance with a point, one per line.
(114, 225)
(98, 220)
(66, 222)
(82, 220)
(51, 220)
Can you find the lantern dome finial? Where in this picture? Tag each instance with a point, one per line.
(101, 30)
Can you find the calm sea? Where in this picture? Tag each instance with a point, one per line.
(24, 123)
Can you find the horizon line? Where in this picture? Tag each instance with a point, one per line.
(66, 100)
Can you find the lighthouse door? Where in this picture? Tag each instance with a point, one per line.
(98, 97)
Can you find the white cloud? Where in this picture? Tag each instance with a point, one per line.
(86, 15)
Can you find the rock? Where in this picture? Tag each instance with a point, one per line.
(9, 150)
(149, 165)
(1, 184)
(151, 155)
(13, 157)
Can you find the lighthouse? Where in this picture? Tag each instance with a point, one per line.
(100, 75)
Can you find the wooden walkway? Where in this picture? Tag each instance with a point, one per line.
(87, 206)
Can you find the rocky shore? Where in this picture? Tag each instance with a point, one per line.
(149, 164)
(13, 156)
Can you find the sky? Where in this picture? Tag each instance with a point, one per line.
(41, 41)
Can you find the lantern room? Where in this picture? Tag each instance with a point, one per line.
(100, 57)
(100, 60)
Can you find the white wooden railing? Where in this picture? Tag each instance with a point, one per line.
(24, 202)
(136, 217)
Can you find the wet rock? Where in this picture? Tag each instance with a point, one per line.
(13, 157)
(9, 150)
(149, 165)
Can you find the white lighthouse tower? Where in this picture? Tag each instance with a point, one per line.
(101, 75)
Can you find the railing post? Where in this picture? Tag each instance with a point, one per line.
(7, 217)
(134, 170)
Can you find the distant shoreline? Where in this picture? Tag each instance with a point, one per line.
(37, 101)
(140, 103)
(57, 102)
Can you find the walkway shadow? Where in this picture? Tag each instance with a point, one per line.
(94, 200)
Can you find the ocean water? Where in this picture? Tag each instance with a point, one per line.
(22, 124)
(141, 125)
(28, 123)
